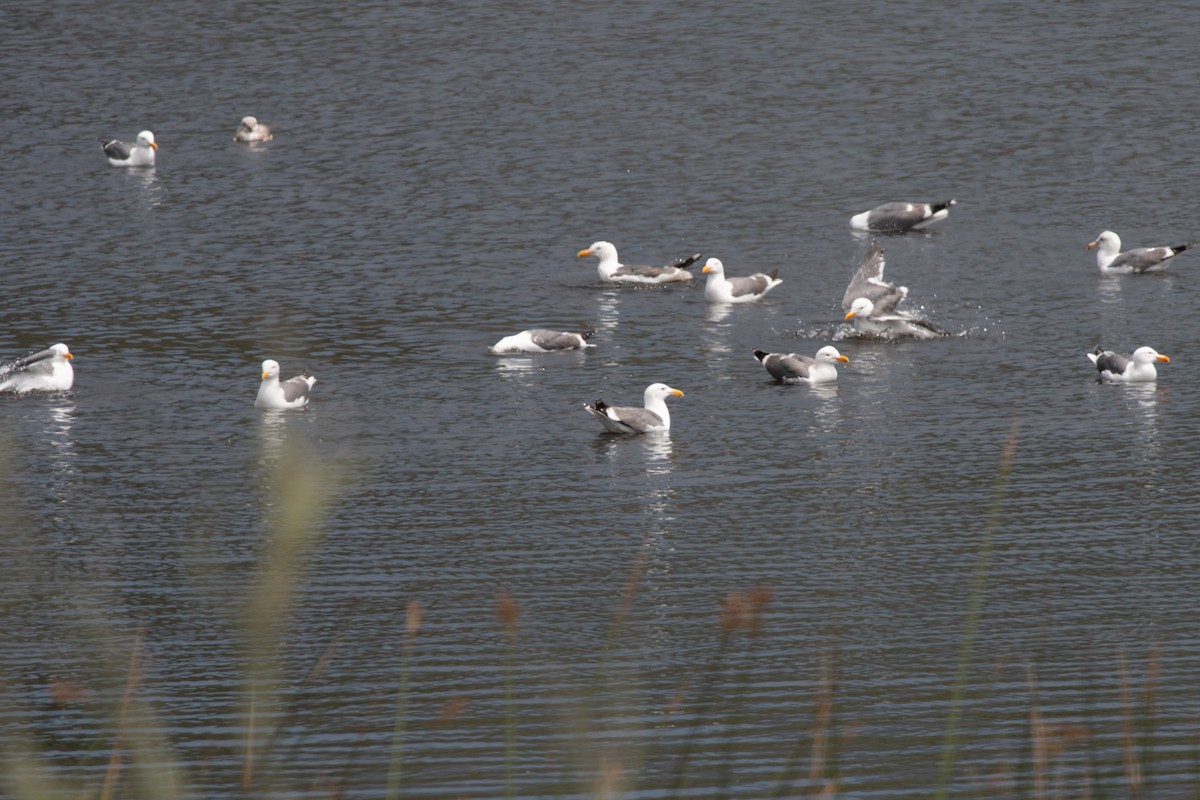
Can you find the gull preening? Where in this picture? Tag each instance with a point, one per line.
(541, 340)
(123, 154)
(870, 303)
(795, 368)
(720, 289)
(251, 130)
(1110, 259)
(611, 269)
(901, 217)
(1136, 368)
(654, 417)
(279, 395)
(47, 370)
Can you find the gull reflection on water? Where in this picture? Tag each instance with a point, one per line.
(1148, 399)
(58, 434)
(655, 446)
(717, 311)
(275, 430)
(608, 313)
(517, 366)
(1110, 289)
(151, 188)
(1148, 402)
(826, 414)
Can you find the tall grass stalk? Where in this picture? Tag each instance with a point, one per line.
(608, 773)
(509, 613)
(396, 762)
(299, 503)
(741, 611)
(974, 607)
(137, 736)
(113, 773)
(1129, 749)
(821, 739)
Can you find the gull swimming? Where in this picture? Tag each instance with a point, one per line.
(251, 130)
(795, 368)
(278, 395)
(1137, 368)
(654, 417)
(871, 303)
(47, 370)
(123, 154)
(1111, 260)
(901, 217)
(541, 340)
(611, 269)
(720, 289)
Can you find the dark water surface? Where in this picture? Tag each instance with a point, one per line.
(435, 168)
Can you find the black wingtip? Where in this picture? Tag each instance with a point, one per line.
(941, 206)
(760, 355)
(686, 261)
(587, 334)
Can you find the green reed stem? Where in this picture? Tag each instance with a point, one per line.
(728, 748)
(509, 613)
(679, 780)
(821, 736)
(395, 763)
(632, 582)
(974, 607)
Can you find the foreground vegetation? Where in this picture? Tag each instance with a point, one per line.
(693, 746)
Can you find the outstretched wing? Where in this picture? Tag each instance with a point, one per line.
(868, 282)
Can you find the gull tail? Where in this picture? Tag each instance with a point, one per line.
(685, 262)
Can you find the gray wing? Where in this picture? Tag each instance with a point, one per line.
(897, 216)
(639, 419)
(751, 284)
(1113, 362)
(295, 388)
(555, 340)
(785, 366)
(117, 149)
(1142, 259)
(34, 363)
(789, 366)
(645, 272)
(903, 325)
(654, 272)
(629, 419)
(868, 282)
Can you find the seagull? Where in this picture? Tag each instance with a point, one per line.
(277, 395)
(613, 270)
(794, 368)
(1138, 368)
(901, 217)
(628, 419)
(1111, 260)
(540, 340)
(250, 130)
(871, 302)
(48, 370)
(123, 154)
(720, 289)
